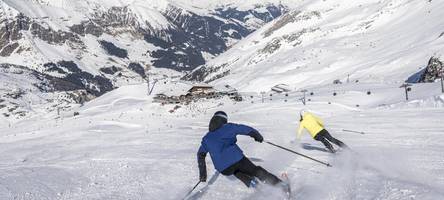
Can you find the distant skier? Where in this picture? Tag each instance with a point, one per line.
(315, 126)
(227, 157)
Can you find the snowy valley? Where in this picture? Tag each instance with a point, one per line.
(96, 46)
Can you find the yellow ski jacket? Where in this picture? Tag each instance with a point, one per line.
(312, 123)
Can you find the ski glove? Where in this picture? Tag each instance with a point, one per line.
(257, 136)
(202, 167)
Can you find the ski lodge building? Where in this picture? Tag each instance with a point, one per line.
(184, 93)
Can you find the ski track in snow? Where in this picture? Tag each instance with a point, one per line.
(133, 149)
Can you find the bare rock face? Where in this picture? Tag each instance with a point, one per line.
(87, 27)
(433, 71)
(119, 20)
(201, 73)
(115, 21)
(9, 49)
(51, 36)
(291, 17)
(11, 32)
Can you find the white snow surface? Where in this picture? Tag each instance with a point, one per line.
(122, 146)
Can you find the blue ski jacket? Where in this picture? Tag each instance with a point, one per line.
(221, 144)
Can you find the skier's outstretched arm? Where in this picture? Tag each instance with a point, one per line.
(201, 154)
(250, 131)
(301, 127)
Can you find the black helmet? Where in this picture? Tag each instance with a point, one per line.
(221, 114)
(219, 119)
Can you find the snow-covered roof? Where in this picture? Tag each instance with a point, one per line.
(204, 85)
(281, 88)
(178, 88)
(175, 89)
(224, 88)
(276, 89)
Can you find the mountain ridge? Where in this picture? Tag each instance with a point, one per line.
(323, 41)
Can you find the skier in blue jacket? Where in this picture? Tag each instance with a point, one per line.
(227, 157)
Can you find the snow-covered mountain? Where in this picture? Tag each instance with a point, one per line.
(97, 46)
(320, 41)
(164, 34)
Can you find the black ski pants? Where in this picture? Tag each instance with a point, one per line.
(246, 171)
(324, 136)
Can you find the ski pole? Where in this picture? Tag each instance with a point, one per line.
(289, 150)
(361, 132)
(192, 190)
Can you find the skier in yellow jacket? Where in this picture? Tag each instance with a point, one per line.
(315, 126)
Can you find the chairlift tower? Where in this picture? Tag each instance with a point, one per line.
(442, 79)
(262, 95)
(303, 99)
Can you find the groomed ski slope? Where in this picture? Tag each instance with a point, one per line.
(122, 146)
